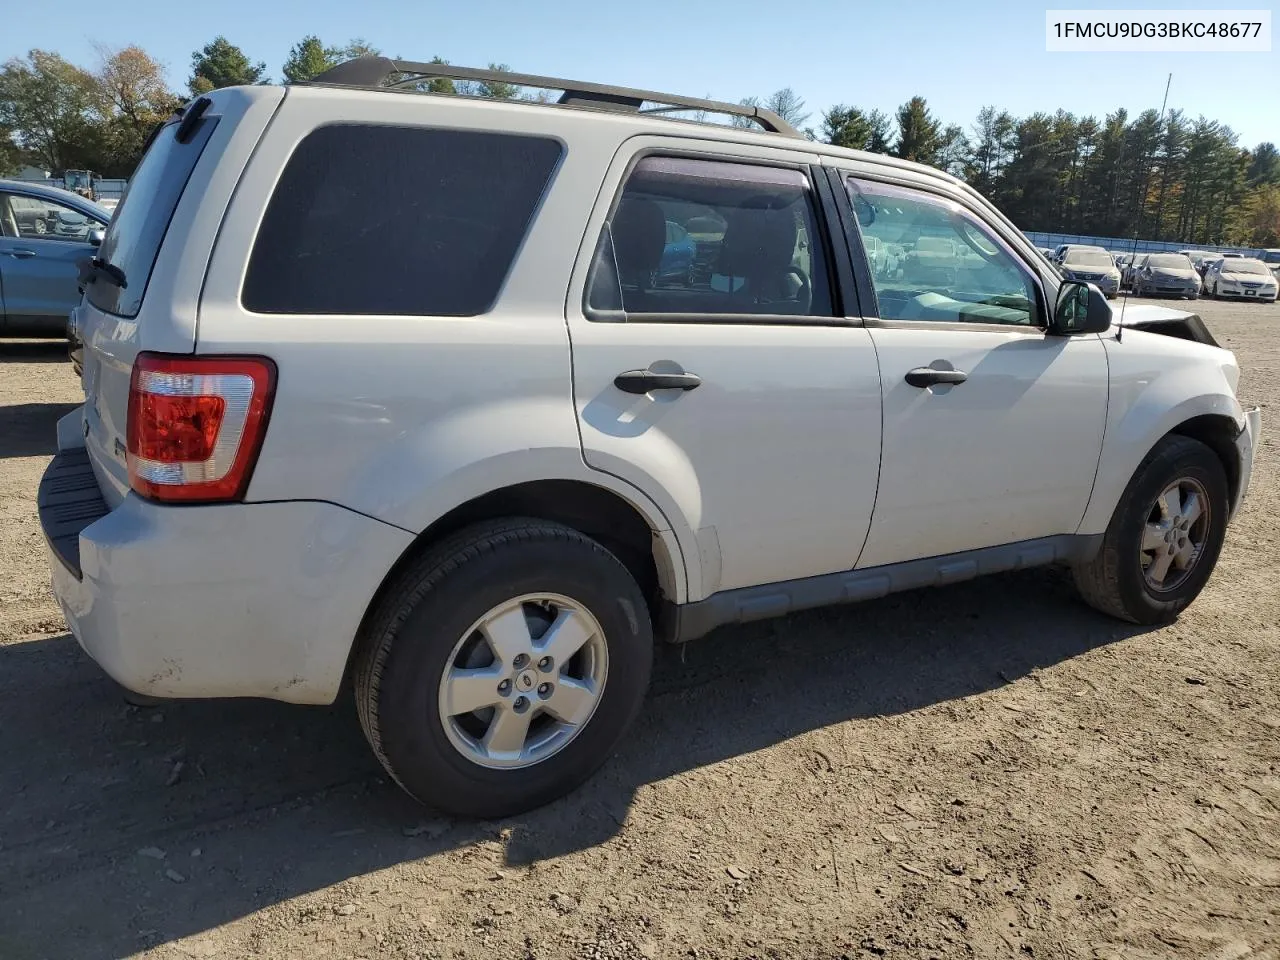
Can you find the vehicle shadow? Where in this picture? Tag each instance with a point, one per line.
(30, 429)
(34, 351)
(124, 828)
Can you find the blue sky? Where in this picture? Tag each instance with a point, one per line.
(959, 56)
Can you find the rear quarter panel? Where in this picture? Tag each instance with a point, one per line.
(403, 418)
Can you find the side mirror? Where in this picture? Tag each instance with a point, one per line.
(1081, 308)
(96, 236)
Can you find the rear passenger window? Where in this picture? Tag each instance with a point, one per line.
(711, 238)
(396, 220)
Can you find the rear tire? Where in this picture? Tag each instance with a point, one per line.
(435, 624)
(1119, 579)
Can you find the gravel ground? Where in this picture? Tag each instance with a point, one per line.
(986, 770)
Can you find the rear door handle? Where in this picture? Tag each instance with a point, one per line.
(21, 254)
(930, 376)
(642, 381)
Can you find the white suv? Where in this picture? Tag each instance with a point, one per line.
(415, 389)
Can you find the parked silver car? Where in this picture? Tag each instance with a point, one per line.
(44, 235)
(1166, 274)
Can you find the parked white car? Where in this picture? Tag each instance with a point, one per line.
(446, 435)
(1241, 278)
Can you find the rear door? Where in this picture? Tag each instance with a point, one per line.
(159, 240)
(742, 392)
(39, 258)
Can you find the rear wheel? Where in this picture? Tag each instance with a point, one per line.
(502, 668)
(1164, 537)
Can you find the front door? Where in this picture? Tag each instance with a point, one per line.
(992, 428)
(42, 243)
(714, 366)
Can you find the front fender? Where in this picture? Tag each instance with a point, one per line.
(1156, 384)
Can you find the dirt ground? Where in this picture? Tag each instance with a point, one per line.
(986, 770)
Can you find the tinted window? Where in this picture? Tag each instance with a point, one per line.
(949, 267)
(141, 220)
(396, 220)
(746, 241)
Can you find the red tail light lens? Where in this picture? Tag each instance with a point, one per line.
(196, 425)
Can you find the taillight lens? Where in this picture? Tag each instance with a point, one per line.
(196, 424)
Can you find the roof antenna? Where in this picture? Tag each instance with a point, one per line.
(1133, 253)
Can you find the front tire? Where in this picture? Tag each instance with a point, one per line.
(1164, 537)
(501, 669)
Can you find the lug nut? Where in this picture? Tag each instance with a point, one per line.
(521, 661)
(521, 703)
(544, 690)
(545, 664)
(504, 687)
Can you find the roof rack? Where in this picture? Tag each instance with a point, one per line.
(390, 74)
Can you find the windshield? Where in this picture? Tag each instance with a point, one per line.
(140, 221)
(1232, 265)
(1169, 261)
(1271, 256)
(1088, 258)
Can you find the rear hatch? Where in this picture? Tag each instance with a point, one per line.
(144, 290)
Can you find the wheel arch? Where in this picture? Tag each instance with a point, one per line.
(1213, 420)
(1218, 433)
(652, 555)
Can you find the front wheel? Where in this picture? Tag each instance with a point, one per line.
(1164, 537)
(501, 669)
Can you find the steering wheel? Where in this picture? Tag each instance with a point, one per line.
(804, 296)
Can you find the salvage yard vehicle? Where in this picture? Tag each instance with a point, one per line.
(479, 460)
(1091, 265)
(1242, 278)
(45, 233)
(1166, 274)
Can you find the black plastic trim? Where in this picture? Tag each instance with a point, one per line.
(857, 254)
(836, 245)
(851, 586)
(189, 119)
(68, 500)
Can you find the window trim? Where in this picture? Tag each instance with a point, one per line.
(826, 236)
(862, 266)
(529, 226)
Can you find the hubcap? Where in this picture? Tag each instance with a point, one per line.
(523, 681)
(1175, 534)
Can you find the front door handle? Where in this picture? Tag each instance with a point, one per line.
(642, 381)
(22, 254)
(930, 376)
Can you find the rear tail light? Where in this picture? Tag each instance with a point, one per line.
(196, 425)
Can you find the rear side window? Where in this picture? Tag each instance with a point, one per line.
(138, 226)
(396, 220)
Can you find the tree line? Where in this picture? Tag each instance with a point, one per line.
(1159, 177)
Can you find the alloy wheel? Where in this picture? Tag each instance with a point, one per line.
(1175, 533)
(523, 681)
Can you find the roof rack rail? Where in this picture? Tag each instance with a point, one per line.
(384, 72)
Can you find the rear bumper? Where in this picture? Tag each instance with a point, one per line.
(1246, 445)
(227, 600)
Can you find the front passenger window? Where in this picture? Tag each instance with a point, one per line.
(931, 260)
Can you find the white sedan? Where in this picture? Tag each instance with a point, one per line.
(1240, 277)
